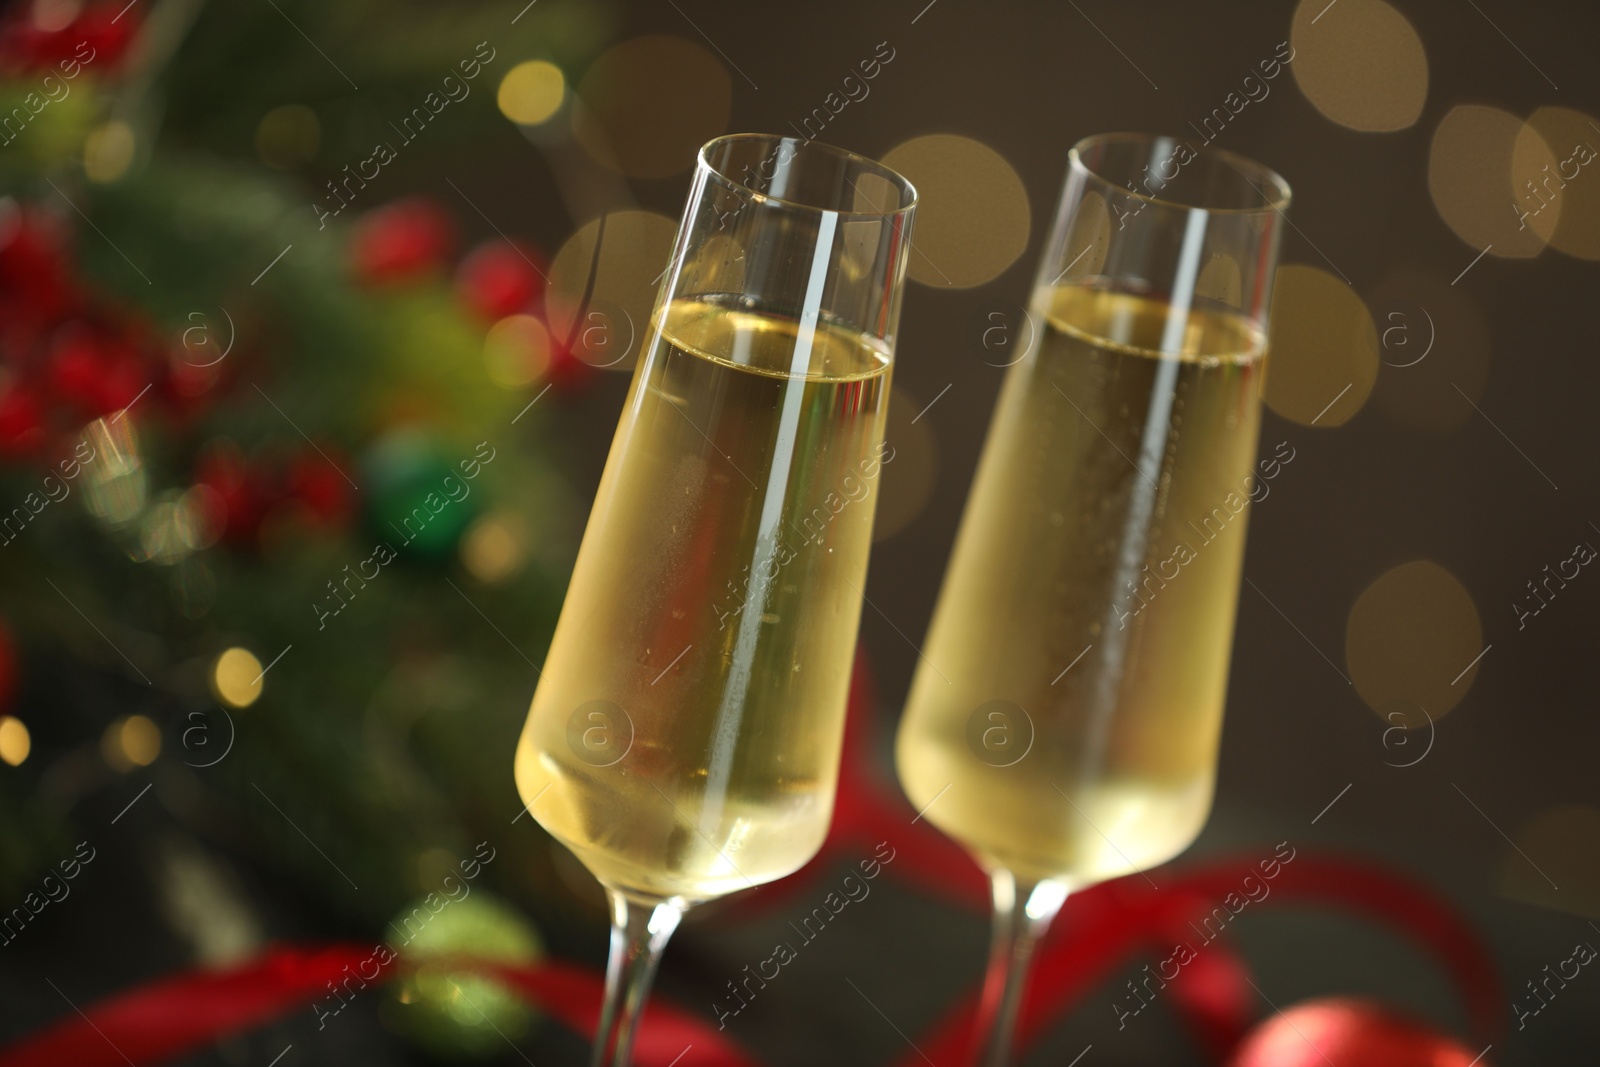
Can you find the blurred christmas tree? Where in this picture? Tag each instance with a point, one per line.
(271, 476)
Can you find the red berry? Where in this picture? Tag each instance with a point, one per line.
(21, 420)
(317, 484)
(96, 39)
(401, 241)
(221, 468)
(500, 278)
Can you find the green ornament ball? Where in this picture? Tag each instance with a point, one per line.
(422, 498)
(449, 1010)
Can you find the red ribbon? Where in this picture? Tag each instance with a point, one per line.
(178, 1015)
(1097, 931)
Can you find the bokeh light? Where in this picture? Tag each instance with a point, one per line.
(516, 351)
(236, 678)
(610, 279)
(450, 1008)
(15, 741)
(107, 151)
(1360, 63)
(118, 484)
(51, 16)
(495, 547)
(1409, 641)
(646, 106)
(288, 136)
(1322, 355)
(973, 216)
(176, 524)
(532, 92)
(1434, 345)
(1476, 157)
(906, 482)
(1564, 840)
(1572, 184)
(129, 742)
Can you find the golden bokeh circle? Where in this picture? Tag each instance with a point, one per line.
(973, 217)
(495, 547)
(129, 742)
(15, 741)
(531, 92)
(1408, 642)
(1434, 346)
(646, 105)
(288, 136)
(1360, 63)
(237, 678)
(906, 481)
(1322, 349)
(1571, 185)
(603, 286)
(516, 351)
(1478, 157)
(1564, 841)
(107, 151)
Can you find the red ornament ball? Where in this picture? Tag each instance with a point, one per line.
(1348, 1030)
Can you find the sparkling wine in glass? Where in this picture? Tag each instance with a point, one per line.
(1064, 719)
(685, 735)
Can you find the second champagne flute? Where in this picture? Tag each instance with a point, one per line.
(1064, 718)
(684, 738)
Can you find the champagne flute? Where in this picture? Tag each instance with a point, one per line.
(685, 735)
(1064, 718)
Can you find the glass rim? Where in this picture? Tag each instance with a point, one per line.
(908, 192)
(1272, 186)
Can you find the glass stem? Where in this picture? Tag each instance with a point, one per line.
(639, 932)
(1023, 911)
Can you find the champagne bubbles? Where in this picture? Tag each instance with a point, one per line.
(1000, 733)
(1412, 644)
(973, 216)
(1323, 359)
(646, 106)
(599, 733)
(603, 284)
(1360, 63)
(1479, 159)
